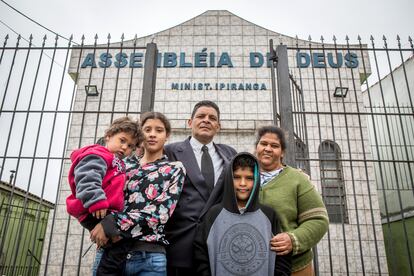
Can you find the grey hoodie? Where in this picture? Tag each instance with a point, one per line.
(234, 242)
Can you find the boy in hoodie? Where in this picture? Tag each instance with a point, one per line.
(97, 174)
(234, 237)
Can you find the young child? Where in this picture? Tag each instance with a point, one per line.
(97, 174)
(234, 236)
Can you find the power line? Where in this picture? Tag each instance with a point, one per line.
(34, 21)
(10, 28)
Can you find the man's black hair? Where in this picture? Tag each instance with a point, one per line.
(208, 104)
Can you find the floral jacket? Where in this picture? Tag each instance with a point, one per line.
(151, 195)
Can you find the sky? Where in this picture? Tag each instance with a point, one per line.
(142, 18)
(301, 18)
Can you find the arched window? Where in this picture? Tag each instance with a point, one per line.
(332, 180)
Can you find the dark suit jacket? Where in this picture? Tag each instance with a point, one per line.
(194, 202)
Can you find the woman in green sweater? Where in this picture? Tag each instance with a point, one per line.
(290, 193)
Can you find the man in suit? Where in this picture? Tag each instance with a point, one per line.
(203, 187)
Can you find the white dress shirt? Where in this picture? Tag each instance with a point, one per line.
(215, 157)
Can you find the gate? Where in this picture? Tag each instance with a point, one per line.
(352, 135)
(356, 137)
(41, 117)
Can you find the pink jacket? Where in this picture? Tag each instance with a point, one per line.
(90, 198)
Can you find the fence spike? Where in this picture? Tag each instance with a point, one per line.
(135, 37)
(83, 37)
(334, 38)
(410, 39)
(44, 40)
(310, 38)
(71, 37)
(31, 37)
(371, 38)
(398, 37)
(346, 37)
(56, 37)
(359, 37)
(96, 37)
(384, 38)
(19, 37)
(322, 39)
(109, 36)
(122, 36)
(6, 37)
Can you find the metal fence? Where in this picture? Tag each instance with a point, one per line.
(359, 137)
(351, 134)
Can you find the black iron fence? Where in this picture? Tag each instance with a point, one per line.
(351, 124)
(358, 138)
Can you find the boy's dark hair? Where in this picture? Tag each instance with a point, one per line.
(280, 133)
(156, 115)
(243, 161)
(208, 104)
(127, 125)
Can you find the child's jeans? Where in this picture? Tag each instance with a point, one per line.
(98, 257)
(145, 264)
(138, 263)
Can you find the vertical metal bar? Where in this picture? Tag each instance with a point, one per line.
(14, 114)
(406, 151)
(8, 212)
(341, 207)
(393, 158)
(398, 106)
(4, 46)
(315, 261)
(365, 160)
(321, 163)
(79, 145)
(102, 85)
(13, 206)
(131, 78)
(116, 82)
(40, 204)
(150, 78)
(299, 118)
(295, 122)
(350, 163)
(302, 102)
(17, 98)
(285, 102)
(8, 79)
(61, 171)
(273, 59)
(19, 235)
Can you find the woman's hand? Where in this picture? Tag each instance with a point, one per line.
(98, 235)
(281, 244)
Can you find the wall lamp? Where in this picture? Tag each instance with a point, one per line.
(340, 92)
(91, 90)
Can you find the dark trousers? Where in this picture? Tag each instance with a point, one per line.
(113, 259)
(180, 271)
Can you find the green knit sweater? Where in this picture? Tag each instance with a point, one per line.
(301, 211)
